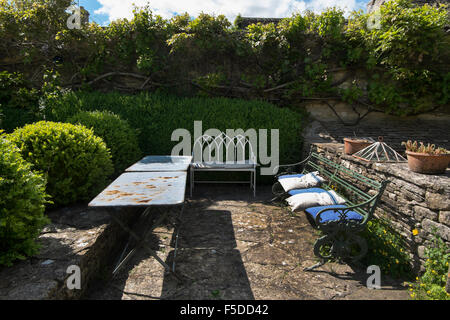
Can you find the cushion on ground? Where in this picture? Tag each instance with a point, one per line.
(330, 215)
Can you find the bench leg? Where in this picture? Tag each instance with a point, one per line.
(345, 247)
(252, 186)
(324, 249)
(317, 265)
(278, 192)
(192, 181)
(254, 183)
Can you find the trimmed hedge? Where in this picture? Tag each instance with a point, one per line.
(157, 115)
(22, 205)
(77, 163)
(119, 137)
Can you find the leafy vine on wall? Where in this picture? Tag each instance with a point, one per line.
(396, 60)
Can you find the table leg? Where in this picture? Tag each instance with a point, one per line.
(177, 228)
(121, 260)
(141, 242)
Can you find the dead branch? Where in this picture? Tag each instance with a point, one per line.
(358, 120)
(279, 87)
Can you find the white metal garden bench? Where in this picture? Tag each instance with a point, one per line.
(223, 153)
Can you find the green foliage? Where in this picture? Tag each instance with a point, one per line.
(201, 39)
(18, 101)
(50, 91)
(238, 21)
(387, 249)
(31, 22)
(403, 48)
(269, 47)
(409, 50)
(329, 24)
(351, 94)
(408, 37)
(431, 285)
(22, 204)
(156, 116)
(22, 104)
(75, 162)
(119, 137)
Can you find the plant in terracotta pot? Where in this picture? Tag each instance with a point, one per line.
(426, 158)
(353, 145)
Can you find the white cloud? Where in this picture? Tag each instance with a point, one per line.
(320, 5)
(116, 9)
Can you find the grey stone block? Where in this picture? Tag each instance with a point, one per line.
(442, 230)
(421, 212)
(437, 201)
(444, 217)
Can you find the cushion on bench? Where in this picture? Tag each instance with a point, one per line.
(304, 200)
(330, 215)
(290, 176)
(309, 180)
(309, 190)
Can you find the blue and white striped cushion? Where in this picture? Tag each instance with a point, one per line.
(331, 215)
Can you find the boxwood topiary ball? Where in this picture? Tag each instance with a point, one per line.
(76, 163)
(119, 137)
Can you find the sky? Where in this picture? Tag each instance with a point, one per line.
(104, 11)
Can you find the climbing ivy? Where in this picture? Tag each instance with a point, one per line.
(408, 53)
(401, 51)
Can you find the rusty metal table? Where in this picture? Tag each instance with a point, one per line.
(159, 190)
(161, 164)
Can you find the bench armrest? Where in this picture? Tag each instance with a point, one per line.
(275, 170)
(344, 210)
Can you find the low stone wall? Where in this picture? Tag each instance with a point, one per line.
(97, 259)
(411, 200)
(77, 236)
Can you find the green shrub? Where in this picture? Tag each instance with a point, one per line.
(22, 204)
(157, 115)
(77, 163)
(431, 285)
(119, 137)
(387, 249)
(19, 102)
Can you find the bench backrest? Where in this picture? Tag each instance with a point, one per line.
(351, 185)
(223, 148)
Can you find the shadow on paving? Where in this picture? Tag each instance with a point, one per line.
(113, 288)
(208, 259)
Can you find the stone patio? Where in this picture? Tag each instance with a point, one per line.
(234, 246)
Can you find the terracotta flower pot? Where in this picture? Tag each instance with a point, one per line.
(352, 146)
(428, 163)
